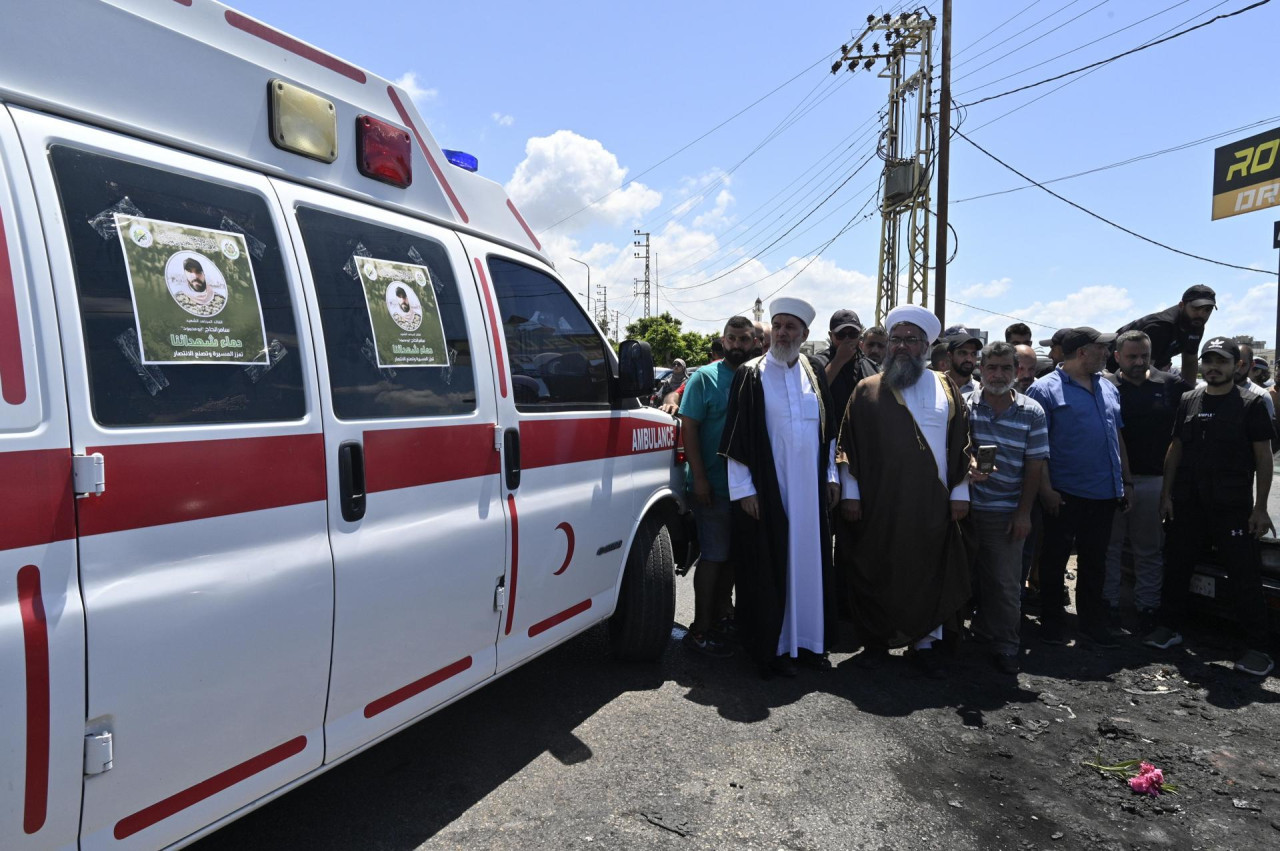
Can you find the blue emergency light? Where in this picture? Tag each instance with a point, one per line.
(462, 159)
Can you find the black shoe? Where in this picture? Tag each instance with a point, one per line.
(1051, 633)
(784, 666)
(872, 656)
(929, 662)
(813, 661)
(1101, 636)
(705, 645)
(1007, 665)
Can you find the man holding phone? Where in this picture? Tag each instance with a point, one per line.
(1012, 437)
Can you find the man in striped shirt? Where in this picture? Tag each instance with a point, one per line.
(1001, 500)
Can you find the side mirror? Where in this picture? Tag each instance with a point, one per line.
(635, 369)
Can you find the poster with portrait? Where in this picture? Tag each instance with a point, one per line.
(407, 328)
(195, 299)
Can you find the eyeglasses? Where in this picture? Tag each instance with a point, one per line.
(905, 341)
(847, 334)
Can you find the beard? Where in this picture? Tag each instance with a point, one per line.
(735, 357)
(965, 369)
(902, 371)
(997, 388)
(785, 352)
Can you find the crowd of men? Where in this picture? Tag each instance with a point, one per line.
(926, 484)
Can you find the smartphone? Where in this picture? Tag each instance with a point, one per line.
(986, 459)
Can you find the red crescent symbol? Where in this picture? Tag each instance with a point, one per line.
(568, 556)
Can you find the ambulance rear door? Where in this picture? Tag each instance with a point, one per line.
(415, 512)
(204, 560)
(41, 620)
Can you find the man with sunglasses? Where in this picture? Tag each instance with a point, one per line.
(842, 360)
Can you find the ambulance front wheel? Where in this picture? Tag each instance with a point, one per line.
(641, 626)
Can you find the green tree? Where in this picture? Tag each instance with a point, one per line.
(699, 347)
(663, 335)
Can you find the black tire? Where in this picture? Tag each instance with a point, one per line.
(640, 628)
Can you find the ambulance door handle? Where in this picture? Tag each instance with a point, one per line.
(511, 457)
(351, 480)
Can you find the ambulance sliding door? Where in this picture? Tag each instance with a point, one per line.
(415, 517)
(41, 620)
(570, 509)
(204, 562)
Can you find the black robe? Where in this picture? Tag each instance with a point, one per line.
(759, 547)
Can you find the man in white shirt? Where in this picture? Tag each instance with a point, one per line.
(904, 461)
(779, 445)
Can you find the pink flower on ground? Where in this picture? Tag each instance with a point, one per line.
(1142, 783)
(1145, 768)
(1157, 776)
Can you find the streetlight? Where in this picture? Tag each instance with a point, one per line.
(576, 260)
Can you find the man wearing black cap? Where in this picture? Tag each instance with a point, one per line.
(842, 361)
(1087, 476)
(1054, 345)
(1176, 330)
(963, 348)
(1244, 382)
(1221, 439)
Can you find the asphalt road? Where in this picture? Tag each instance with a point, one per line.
(577, 751)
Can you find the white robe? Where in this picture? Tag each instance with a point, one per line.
(791, 417)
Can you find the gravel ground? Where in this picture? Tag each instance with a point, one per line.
(576, 751)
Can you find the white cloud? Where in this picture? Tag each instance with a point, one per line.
(717, 218)
(503, 120)
(408, 82)
(1252, 313)
(564, 172)
(991, 289)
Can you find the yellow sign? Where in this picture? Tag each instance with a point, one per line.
(1246, 175)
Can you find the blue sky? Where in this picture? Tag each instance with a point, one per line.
(563, 102)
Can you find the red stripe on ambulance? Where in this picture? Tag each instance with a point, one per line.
(515, 562)
(545, 443)
(408, 457)
(431, 161)
(161, 810)
(35, 642)
(152, 484)
(555, 620)
(35, 490)
(294, 46)
(416, 687)
(494, 329)
(13, 379)
(523, 224)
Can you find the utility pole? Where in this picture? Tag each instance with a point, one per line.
(656, 286)
(602, 310)
(944, 171)
(906, 145)
(642, 284)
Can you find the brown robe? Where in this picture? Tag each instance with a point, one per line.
(904, 561)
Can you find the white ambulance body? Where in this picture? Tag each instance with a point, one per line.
(365, 455)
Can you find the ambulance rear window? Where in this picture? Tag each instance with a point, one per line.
(394, 329)
(186, 311)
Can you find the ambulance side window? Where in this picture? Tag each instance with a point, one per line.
(416, 361)
(240, 295)
(558, 360)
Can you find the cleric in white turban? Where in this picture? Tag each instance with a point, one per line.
(780, 450)
(903, 453)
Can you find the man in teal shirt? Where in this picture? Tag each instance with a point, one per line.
(702, 413)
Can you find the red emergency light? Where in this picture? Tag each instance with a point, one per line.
(383, 151)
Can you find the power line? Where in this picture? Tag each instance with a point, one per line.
(1130, 160)
(793, 227)
(1034, 40)
(980, 39)
(688, 145)
(1015, 35)
(1108, 221)
(1077, 49)
(1073, 80)
(1102, 62)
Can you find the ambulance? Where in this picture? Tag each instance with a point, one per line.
(301, 435)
